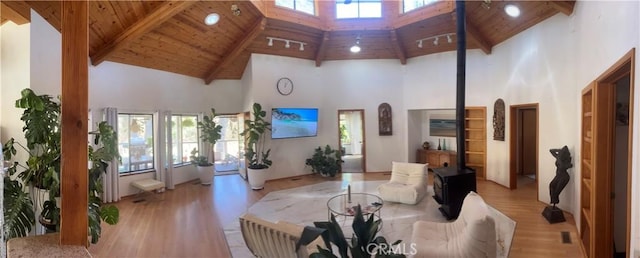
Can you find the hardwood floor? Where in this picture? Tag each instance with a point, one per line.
(190, 219)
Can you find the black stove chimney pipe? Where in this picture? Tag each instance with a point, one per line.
(460, 83)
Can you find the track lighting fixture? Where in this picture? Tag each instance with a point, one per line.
(287, 42)
(436, 39)
(235, 10)
(486, 4)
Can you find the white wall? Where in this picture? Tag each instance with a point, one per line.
(46, 57)
(414, 133)
(131, 88)
(14, 76)
(335, 85)
(548, 64)
(604, 32)
(125, 87)
(536, 66)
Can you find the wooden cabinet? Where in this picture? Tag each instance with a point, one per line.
(436, 158)
(475, 128)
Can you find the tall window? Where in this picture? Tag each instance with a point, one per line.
(135, 142)
(358, 9)
(409, 5)
(184, 135)
(305, 6)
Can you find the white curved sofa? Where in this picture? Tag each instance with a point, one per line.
(473, 234)
(268, 239)
(408, 183)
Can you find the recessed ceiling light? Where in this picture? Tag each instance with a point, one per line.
(512, 10)
(211, 19)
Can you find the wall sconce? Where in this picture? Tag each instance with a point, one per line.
(287, 42)
(356, 48)
(236, 11)
(436, 39)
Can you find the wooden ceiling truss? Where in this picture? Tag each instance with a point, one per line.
(171, 35)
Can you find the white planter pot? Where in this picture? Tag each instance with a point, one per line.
(38, 197)
(206, 174)
(257, 177)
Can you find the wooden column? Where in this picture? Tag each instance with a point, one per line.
(75, 97)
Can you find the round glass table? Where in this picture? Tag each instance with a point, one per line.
(345, 204)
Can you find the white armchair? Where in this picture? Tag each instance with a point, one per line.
(408, 183)
(268, 239)
(473, 234)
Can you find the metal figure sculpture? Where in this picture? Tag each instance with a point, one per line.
(563, 162)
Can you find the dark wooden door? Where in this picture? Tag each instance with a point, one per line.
(529, 139)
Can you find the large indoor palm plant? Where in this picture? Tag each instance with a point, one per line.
(211, 132)
(41, 116)
(256, 152)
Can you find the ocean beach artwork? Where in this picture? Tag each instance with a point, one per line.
(294, 122)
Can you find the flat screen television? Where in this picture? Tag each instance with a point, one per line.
(294, 122)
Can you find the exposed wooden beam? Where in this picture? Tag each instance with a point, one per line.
(322, 48)
(74, 178)
(257, 28)
(17, 11)
(563, 6)
(476, 37)
(397, 47)
(154, 19)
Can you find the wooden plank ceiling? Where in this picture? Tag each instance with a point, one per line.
(171, 36)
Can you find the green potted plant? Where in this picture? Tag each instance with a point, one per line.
(325, 162)
(210, 132)
(256, 152)
(364, 242)
(344, 138)
(42, 169)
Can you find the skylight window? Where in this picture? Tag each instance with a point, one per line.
(409, 5)
(305, 6)
(358, 9)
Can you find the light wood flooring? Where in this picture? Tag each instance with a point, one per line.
(189, 221)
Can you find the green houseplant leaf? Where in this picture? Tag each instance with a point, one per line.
(255, 130)
(18, 210)
(211, 131)
(326, 162)
(41, 117)
(199, 160)
(364, 234)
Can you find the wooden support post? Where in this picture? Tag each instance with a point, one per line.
(75, 97)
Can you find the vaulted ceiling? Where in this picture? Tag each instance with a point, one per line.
(171, 36)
